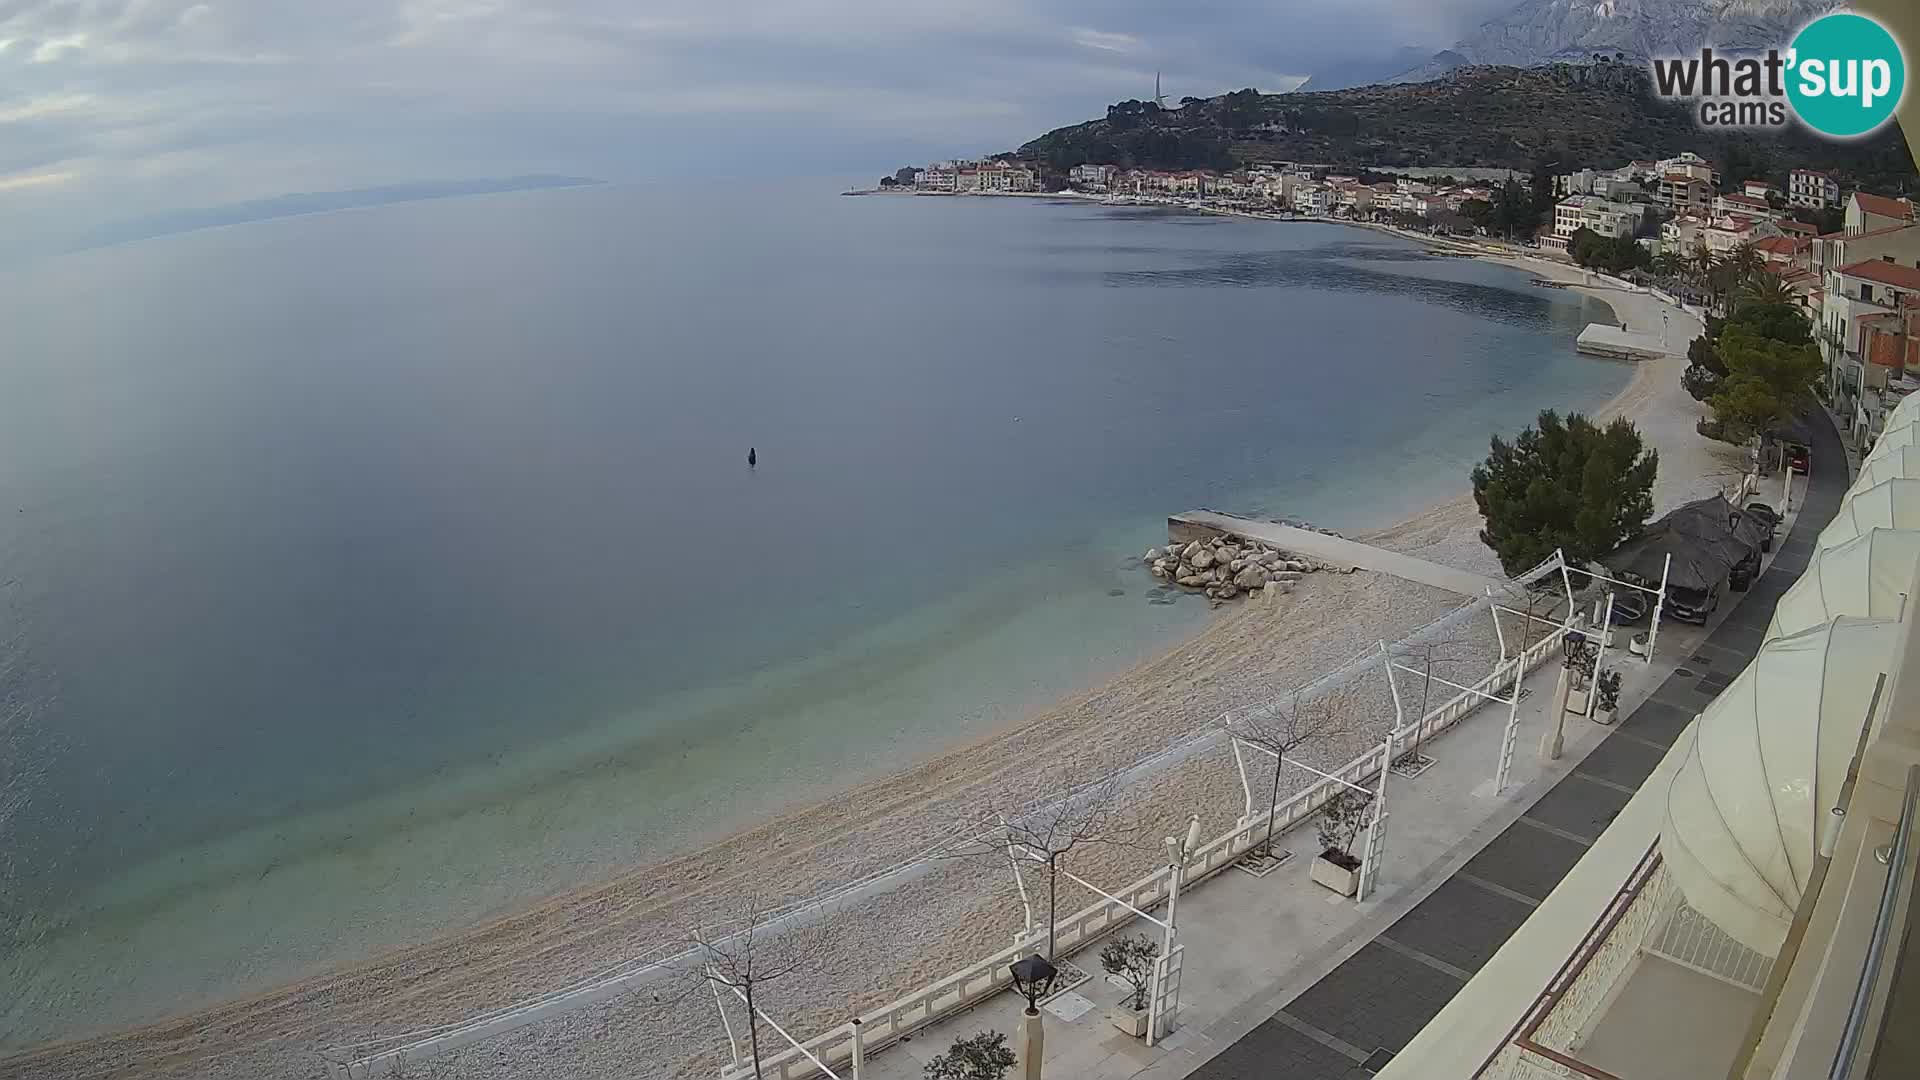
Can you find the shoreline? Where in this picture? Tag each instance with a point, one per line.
(539, 936)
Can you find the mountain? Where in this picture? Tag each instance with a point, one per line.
(1544, 31)
(1598, 114)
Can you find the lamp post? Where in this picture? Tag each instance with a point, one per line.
(1032, 977)
(1572, 646)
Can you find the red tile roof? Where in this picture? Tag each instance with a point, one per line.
(1792, 226)
(1886, 273)
(1682, 178)
(1747, 200)
(1881, 206)
(1777, 245)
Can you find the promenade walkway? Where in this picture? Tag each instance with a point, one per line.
(1340, 550)
(1285, 979)
(1349, 1023)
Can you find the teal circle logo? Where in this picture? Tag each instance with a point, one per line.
(1846, 75)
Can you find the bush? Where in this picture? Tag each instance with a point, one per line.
(975, 1057)
(1132, 959)
(1341, 819)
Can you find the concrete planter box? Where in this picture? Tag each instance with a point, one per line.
(1333, 876)
(1131, 1021)
(1603, 716)
(1577, 701)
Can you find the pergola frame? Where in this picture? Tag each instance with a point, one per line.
(1376, 831)
(775, 1025)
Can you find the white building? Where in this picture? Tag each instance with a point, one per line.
(1867, 211)
(1808, 187)
(1750, 205)
(1095, 177)
(1681, 234)
(1854, 293)
(1689, 164)
(1312, 199)
(1576, 212)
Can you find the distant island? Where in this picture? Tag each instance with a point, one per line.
(315, 202)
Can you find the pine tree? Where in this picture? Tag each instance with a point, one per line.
(1569, 485)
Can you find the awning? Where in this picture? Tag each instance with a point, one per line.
(1890, 504)
(1706, 537)
(1906, 433)
(1763, 766)
(1696, 565)
(1904, 413)
(1899, 463)
(1872, 574)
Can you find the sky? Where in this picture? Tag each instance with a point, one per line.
(113, 109)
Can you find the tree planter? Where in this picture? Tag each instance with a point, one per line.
(1132, 1021)
(1603, 716)
(1637, 644)
(1576, 701)
(1336, 877)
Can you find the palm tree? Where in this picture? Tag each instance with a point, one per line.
(1764, 288)
(1703, 263)
(1744, 261)
(1668, 264)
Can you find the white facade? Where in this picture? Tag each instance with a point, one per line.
(1806, 187)
(1312, 199)
(1093, 176)
(1609, 219)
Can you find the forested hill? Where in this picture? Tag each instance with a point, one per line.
(1597, 114)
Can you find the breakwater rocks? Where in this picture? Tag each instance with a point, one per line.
(1226, 567)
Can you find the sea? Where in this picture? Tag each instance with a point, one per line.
(366, 574)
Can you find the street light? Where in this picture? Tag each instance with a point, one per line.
(1573, 647)
(1032, 977)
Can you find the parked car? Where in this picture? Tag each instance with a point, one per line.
(1797, 459)
(1630, 606)
(1693, 605)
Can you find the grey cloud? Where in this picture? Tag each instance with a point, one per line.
(163, 103)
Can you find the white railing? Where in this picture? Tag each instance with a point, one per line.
(1688, 939)
(989, 975)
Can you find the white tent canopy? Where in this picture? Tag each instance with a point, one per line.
(1872, 574)
(1899, 433)
(1763, 767)
(1890, 504)
(1899, 463)
(1906, 412)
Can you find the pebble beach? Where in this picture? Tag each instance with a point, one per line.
(950, 910)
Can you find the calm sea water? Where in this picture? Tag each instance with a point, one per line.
(364, 574)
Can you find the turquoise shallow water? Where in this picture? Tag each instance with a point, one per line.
(369, 573)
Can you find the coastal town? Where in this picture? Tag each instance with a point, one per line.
(1848, 258)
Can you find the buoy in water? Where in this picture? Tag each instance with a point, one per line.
(752, 458)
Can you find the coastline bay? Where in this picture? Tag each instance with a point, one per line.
(971, 416)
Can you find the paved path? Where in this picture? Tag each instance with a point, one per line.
(1350, 1023)
(1338, 549)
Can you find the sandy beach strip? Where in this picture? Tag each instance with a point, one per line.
(941, 918)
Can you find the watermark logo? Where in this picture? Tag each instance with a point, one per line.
(1843, 76)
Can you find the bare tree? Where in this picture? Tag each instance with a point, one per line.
(1045, 821)
(1427, 654)
(760, 946)
(1283, 730)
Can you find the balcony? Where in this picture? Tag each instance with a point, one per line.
(1656, 992)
